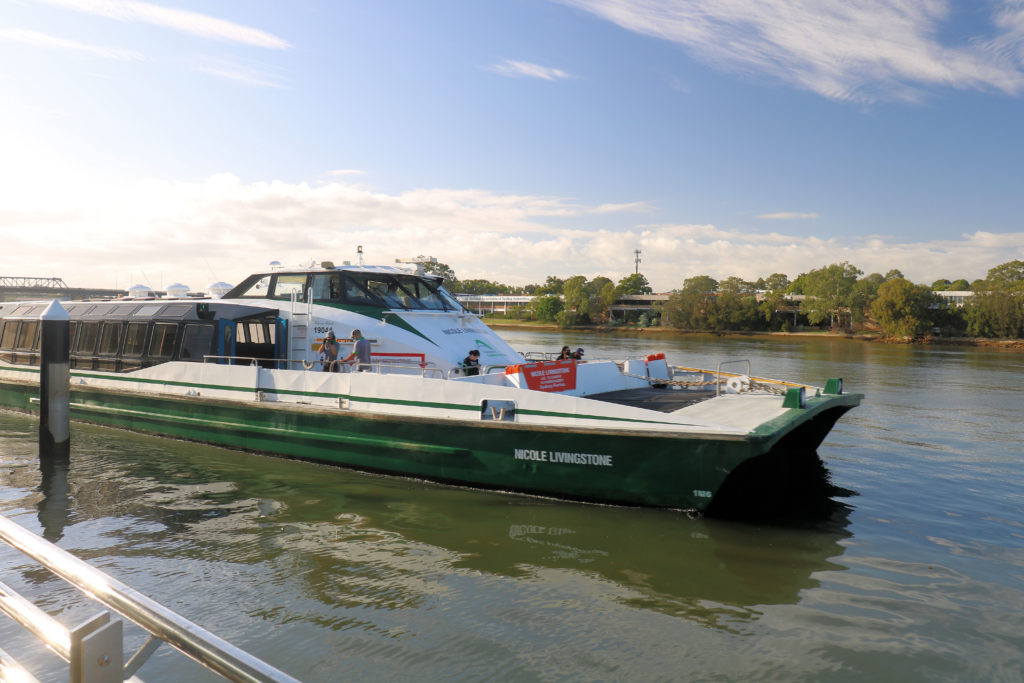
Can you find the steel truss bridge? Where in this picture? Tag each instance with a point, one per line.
(42, 282)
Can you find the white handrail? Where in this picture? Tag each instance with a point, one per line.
(209, 650)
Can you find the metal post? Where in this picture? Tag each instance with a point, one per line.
(54, 379)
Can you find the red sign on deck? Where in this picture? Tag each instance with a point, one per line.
(556, 375)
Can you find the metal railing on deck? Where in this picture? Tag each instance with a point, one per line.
(94, 649)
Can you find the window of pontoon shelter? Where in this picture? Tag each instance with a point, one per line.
(161, 345)
(110, 337)
(135, 340)
(28, 340)
(196, 342)
(9, 335)
(85, 342)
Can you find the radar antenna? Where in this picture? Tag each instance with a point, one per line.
(419, 262)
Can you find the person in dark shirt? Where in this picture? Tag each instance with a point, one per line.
(472, 363)
(566, 353)
(578, 355)
(329, 352)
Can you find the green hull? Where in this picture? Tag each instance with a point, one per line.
(629, 468)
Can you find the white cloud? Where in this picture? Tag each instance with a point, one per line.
(511, 67)
(346, 171)
(37, 39)
(857, 50)
(238, 73)
(223, 228)
(176, 19)
(639, 207)
(788, 216)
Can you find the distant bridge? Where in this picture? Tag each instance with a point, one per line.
(41, 288)
(33, 282)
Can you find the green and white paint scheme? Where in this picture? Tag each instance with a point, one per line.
(414, 413)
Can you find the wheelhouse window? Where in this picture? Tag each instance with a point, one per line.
(428, 294)
(161, 345)
(290, 284)
(196, 341)
(397, 291)
(450, 302)
(255, 287)
(382, 291)
(327, 287)
(387, 290)
(356, 292)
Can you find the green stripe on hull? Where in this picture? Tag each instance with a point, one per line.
(624, 468)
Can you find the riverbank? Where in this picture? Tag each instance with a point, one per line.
(1003, 344)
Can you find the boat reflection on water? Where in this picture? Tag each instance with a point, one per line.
(301, 534)
(711, 570)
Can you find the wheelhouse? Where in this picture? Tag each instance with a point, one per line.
(122, 336)
(384, 288)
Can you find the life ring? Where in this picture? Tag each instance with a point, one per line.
(737, 385)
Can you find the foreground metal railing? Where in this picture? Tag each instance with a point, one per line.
(94, 649)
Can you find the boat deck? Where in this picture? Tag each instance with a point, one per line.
(664, 400)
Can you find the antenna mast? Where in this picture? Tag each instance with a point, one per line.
(636, 259)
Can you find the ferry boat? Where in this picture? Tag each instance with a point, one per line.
(244, 371)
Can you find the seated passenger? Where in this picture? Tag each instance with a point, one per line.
(472, 363)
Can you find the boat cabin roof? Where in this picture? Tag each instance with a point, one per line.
(166, 310)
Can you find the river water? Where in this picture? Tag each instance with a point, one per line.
(915, 572)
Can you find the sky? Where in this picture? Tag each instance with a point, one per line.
(194, 142)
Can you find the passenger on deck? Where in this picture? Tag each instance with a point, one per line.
(329, 352)
(472, 363)
(578, 355)
(360, 351)
(565, 354)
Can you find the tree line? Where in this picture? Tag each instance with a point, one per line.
(837, 296)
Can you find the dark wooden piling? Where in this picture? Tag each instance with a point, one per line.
(54, 381)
